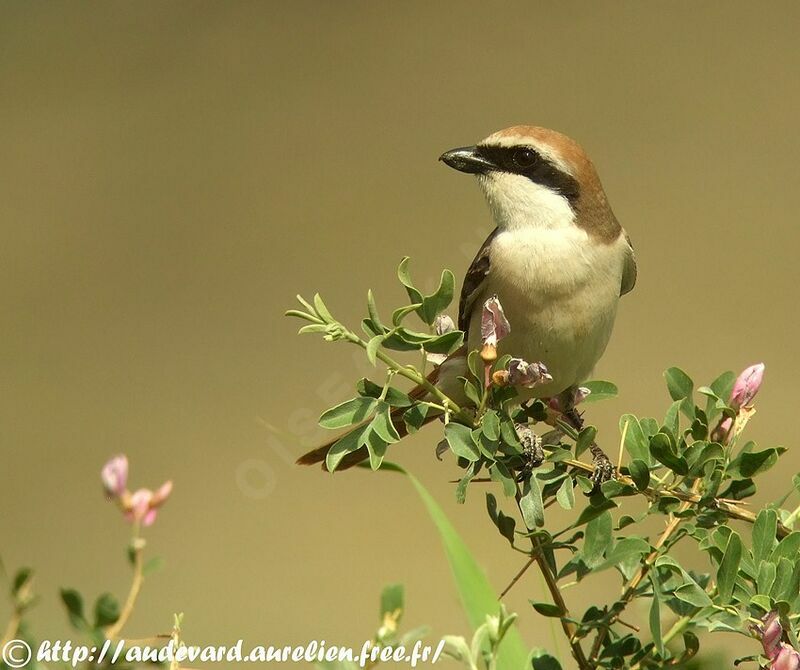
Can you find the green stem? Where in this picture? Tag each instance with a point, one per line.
(790, 519)
(410, 373)
(137, 545)
(678, 627)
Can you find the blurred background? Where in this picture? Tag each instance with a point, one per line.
(174, 173)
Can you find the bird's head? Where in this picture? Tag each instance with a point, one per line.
(533, 176)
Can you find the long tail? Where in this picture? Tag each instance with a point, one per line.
(354, 458)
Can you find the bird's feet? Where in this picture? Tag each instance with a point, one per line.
(532, 452)
(604, 469)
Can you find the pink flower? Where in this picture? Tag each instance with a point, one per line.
(743, 393)
(494, 325)
(144, 503)
(114, 476)
(746, 386)
(781, 655)
(786, 659)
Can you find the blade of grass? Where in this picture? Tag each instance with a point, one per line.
(477, 596)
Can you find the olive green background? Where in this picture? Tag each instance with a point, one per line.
(172, 174)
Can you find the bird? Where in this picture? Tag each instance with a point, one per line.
(557, 260)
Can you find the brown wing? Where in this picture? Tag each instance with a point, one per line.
(476, 274)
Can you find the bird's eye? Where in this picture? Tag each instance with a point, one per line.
(524, 158)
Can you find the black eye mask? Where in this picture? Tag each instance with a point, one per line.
(528, 162)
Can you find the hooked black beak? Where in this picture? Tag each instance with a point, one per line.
(467, 159)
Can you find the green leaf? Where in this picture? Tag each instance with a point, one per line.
(373, 311)
(477, 596)
(691, 593)
(439, 300)
(729, 568)
(613, 488)
(585, 439)
(663, 451)
(541, 660)
(640, 474)
(547, 609)
(624, 550)
(531, 504)
(20, 579)
(106, 610)
(593, 511)
(718, 394)
(586, 484)
(395, 397)
(672, 418)
(781, 587)
(372, 348)
(505, 524)
(655, 613)
(348, 413)
(461, 487)
(766, 577)
(461, 442)
(490, 425)
(74, 603)
(599, 390)
(392, 601)
(636, 444)
(679, 384)
(764, 530)
(405, 279)
(347, 444)
(598, 538)
(376, 448)
(763, 602)
(152, 566)
(749, 464)
(788, 547)
(444, 344)
(414, 417)
(382, 424)
(500, 473)
(401, 313)
(566, 494)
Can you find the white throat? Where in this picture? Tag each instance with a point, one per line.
(516, 202)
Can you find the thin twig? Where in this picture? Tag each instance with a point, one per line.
(516, 578)
(567, 625)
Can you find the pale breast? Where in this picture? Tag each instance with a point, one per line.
(559, 290)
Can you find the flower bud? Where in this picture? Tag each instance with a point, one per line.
(771, 633)
(114, 476)
(786, 659)
(139, 507)
(746, 386)
(500, 378)
(722, 430)
(489, 353)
